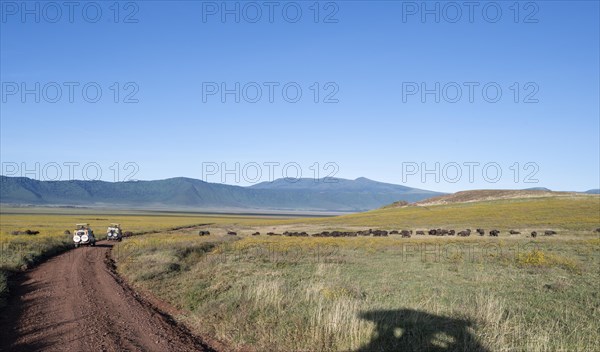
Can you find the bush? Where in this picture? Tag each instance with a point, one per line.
(537, 258)
(26, 232)
(532, 258)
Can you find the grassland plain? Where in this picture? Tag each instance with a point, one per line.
(580, 212)
(257, 292)
(391, 293)
(18, 252)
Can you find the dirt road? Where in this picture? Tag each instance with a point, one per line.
(75, 302)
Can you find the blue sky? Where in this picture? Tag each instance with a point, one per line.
(370, 55)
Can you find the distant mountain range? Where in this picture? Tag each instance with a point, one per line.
(302, 195)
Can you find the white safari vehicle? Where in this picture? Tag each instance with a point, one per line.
(114, 232)
(84, 235)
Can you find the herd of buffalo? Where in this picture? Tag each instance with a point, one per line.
(370, 232)
(383, 233)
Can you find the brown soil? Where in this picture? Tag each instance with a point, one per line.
(76, 302)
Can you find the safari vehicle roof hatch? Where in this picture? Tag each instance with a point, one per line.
(82, 226)
(112, 224)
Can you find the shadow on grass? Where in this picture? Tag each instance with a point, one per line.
(413, 330)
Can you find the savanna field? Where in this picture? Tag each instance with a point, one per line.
(369, 293)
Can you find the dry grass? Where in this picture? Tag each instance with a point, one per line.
(19, 252)
(263, 293)
(492, 194)
(565, 213)
(365, 293)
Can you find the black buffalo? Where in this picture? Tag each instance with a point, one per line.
(406, 233)
(464, 233)
(379, 233)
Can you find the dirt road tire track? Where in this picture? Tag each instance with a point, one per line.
(76, 302)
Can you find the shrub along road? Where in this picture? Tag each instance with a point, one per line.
(75, 302)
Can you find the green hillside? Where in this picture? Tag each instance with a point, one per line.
(345, 195)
